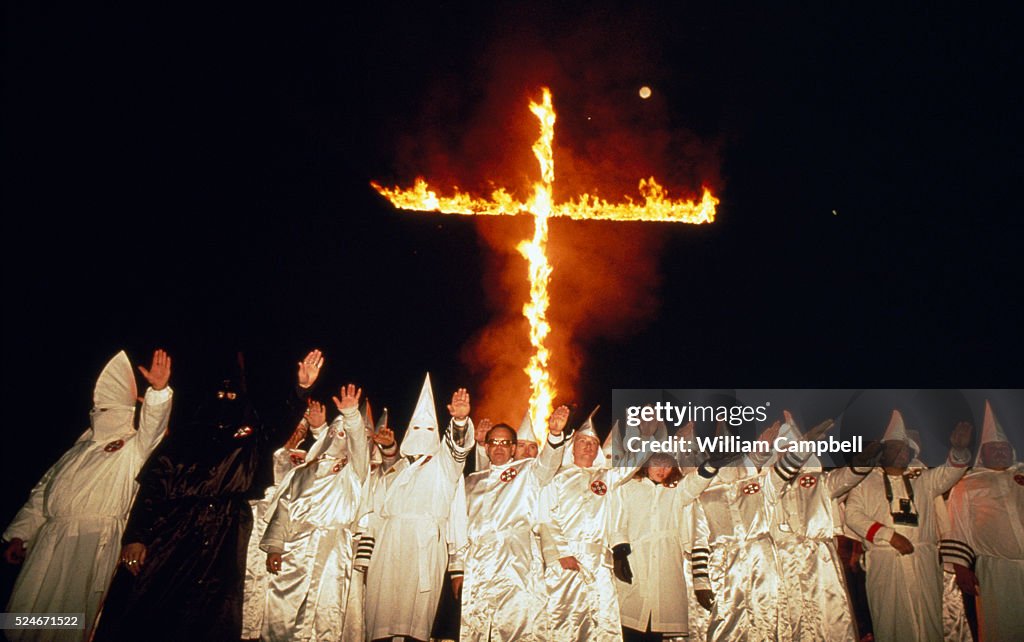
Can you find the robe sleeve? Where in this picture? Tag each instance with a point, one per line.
(453, 453)
(279, 528)
(30, 518)
(547, 462)
(156, 411)
(841, 480)
(941, 478)
(958, 548)
(358, 445)
(553, 544)
(700, 555)
(693, 485)
(859, 518)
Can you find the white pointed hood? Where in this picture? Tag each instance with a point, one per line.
(991, 431)
(526, 432)
(896, 430)
(422, 435)
(113, 399)
(332, 442)
(585, 430)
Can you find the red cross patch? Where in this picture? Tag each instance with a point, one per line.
(808, 481)
(599, 487)
(336, 468)
(509, 474)
(242, 432)
(298, 459)
(752, 488)
(114, 446)
(1019, 479)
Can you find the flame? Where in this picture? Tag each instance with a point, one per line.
(655, 206)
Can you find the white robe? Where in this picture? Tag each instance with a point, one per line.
(502, 596)
(579, 507)
(733, 523)
(804, 529)
(73, 521)
(313, 525)
(904, 591)
(654, 521)
(987, 514)
(254, 602)
(406, 572)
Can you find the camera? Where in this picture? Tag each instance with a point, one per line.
(905, 516)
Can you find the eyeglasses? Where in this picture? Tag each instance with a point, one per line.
(501, 442)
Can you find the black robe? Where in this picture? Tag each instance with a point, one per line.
(193, 516)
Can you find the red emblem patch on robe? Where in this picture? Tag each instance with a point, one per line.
(242, 432)
(114, 446)
(298, 459)
(337, 467)
(752, 488)
(508, 474)
(599, 488)
(1019, 479)
(808, 481)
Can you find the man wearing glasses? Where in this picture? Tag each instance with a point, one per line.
(502, 597)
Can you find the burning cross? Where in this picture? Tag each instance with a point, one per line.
(656, 206)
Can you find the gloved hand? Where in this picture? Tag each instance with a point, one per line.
(620, 563)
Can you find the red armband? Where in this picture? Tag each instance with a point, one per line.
(873, 531)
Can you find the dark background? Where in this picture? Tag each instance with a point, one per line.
(197, 179)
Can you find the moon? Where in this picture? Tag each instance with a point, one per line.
(645, 92)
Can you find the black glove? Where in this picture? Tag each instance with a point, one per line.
(620, 563)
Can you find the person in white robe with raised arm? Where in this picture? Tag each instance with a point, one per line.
(254, 600)
(986, 539)
(578, 510)
(502, 596)
(804, 529)
(71, 525)
(407, 566)
(893, 512)
(309, 535)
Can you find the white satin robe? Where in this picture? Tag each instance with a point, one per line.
(73, 522)
(313, 524)
(733, 522)
(804, 531)
(578, 512)
(986, 512)
(503, 597)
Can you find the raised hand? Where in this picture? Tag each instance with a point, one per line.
(159, 370)
(480, 430)
(316, 415)
(459, 407)
(961, 436)
(349, 397)
(770, 433)
(385, 437)
(818, 431)
(309, 368)
(560, 417)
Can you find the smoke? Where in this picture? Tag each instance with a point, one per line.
(478, 136)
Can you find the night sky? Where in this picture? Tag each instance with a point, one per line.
(198, 180)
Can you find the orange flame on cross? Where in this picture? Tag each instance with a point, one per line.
(656, 206)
